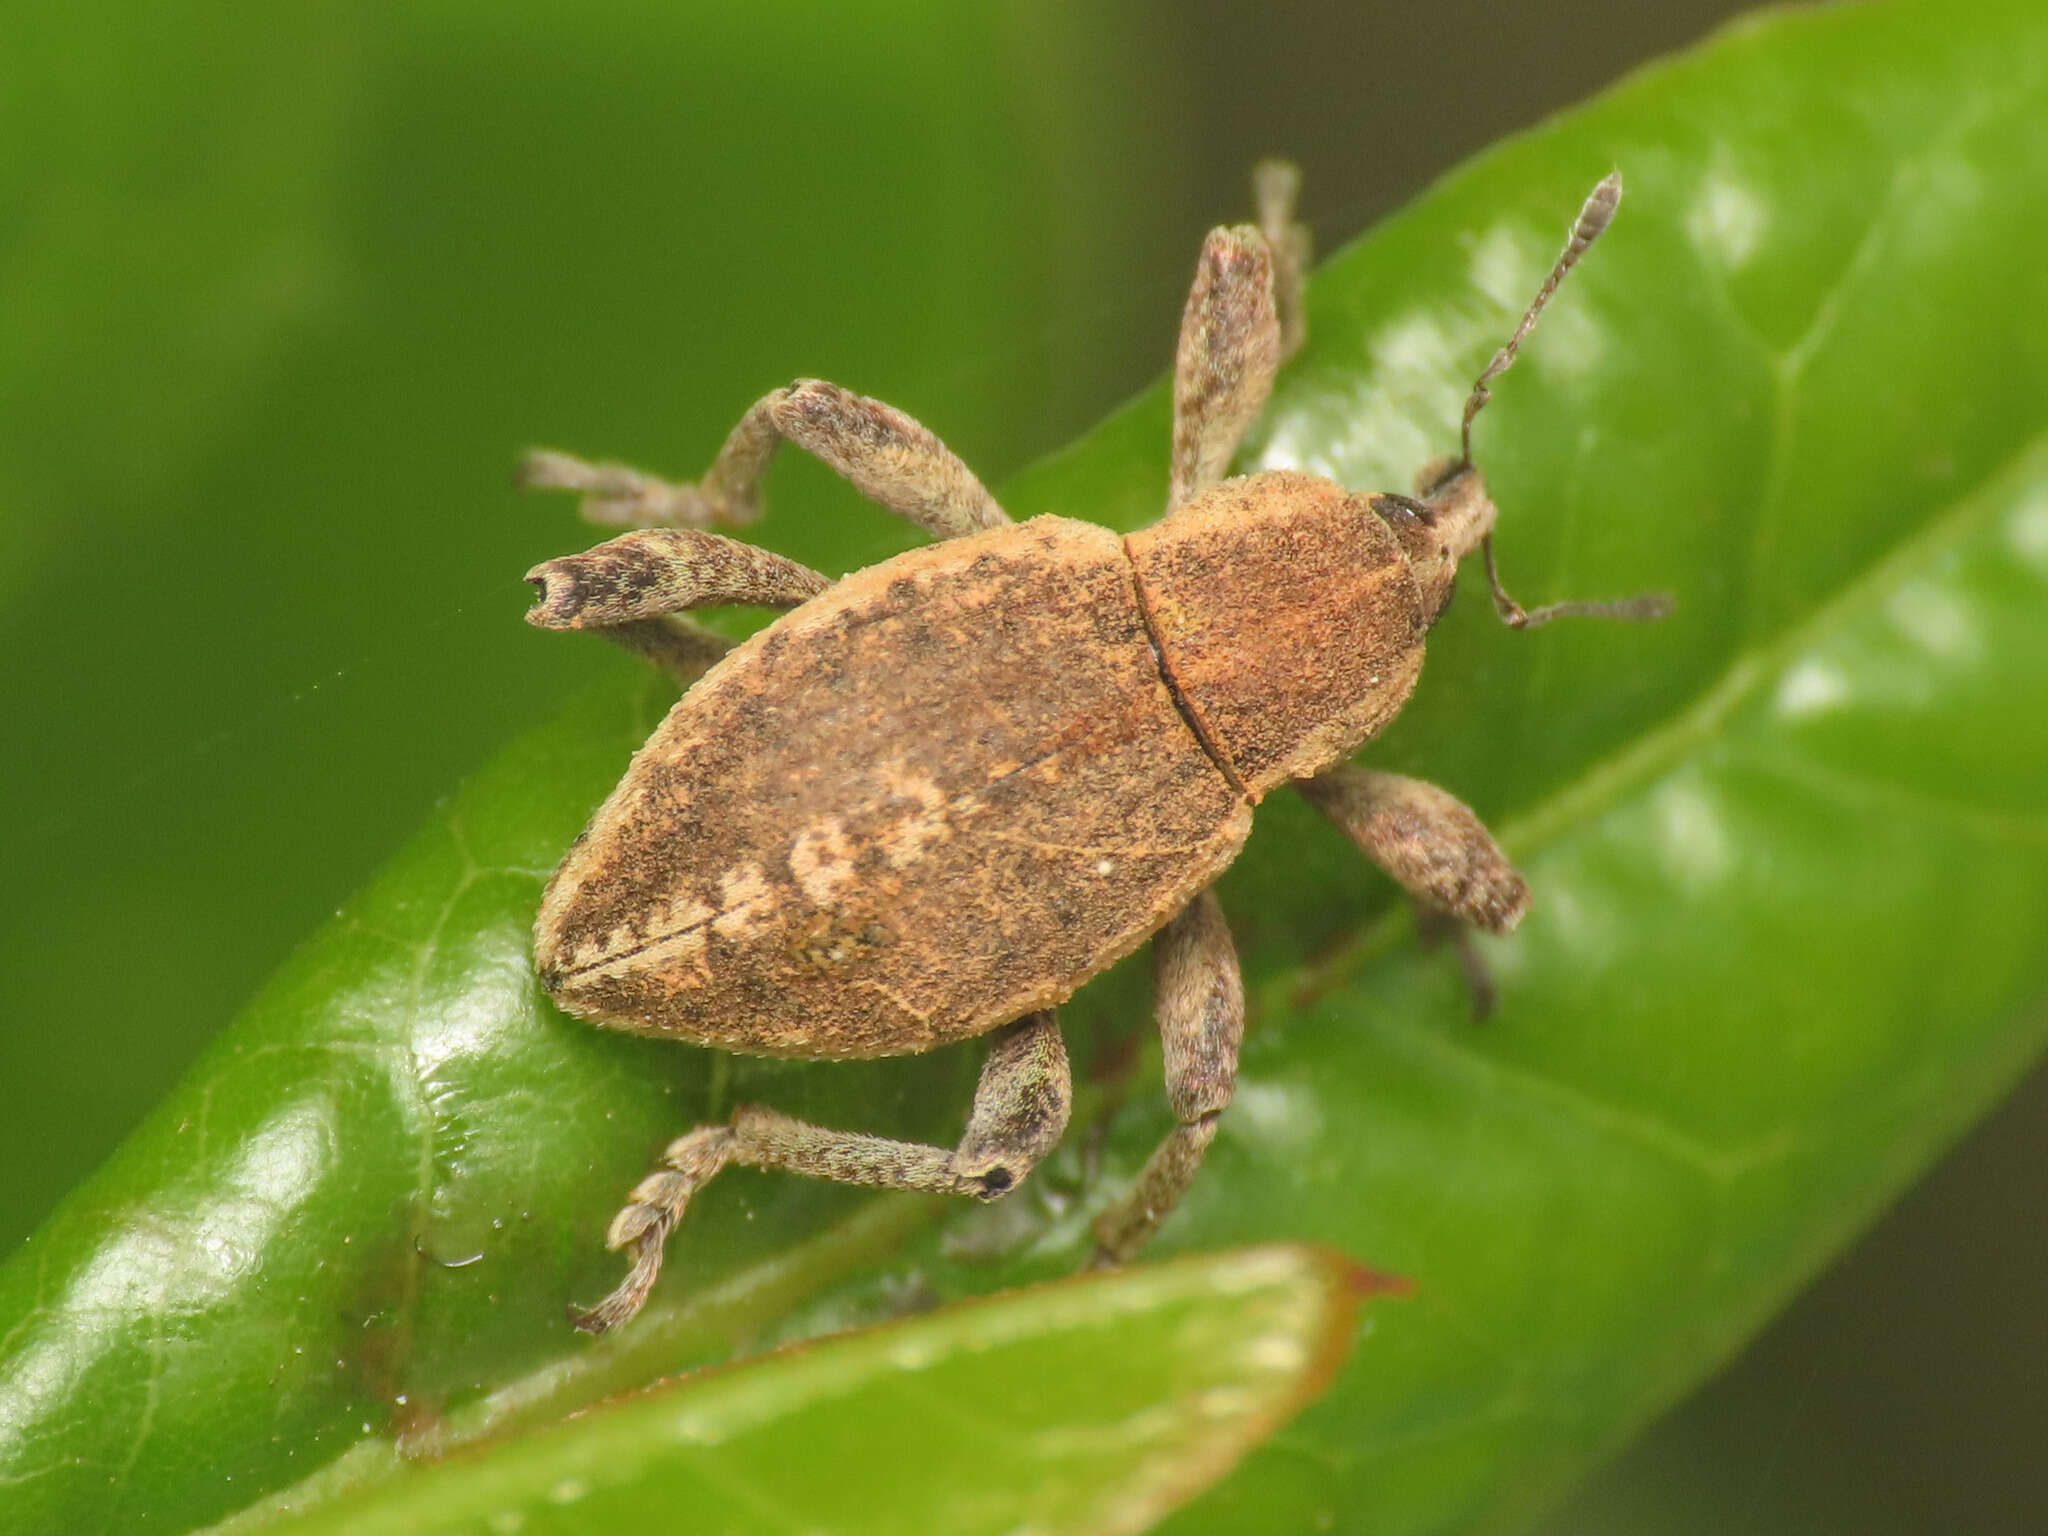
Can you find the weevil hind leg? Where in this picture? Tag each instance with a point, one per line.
(635, 589)
(1436, 850)
(658, 572)
(1200, 1004)
(884, 453)
(1020, 1112)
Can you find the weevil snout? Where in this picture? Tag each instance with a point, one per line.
(1459, 508)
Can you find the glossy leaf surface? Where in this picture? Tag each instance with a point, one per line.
(1005, 1400)
(1790, 855)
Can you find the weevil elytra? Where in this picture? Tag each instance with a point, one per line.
(938, 795)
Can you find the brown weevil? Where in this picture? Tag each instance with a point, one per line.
(938, 795)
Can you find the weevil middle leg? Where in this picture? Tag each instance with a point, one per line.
(635, 588)
(887, 455)
(1199, 994)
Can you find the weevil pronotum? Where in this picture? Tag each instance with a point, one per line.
(939, 794)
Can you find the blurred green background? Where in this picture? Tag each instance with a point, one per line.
(285, 288)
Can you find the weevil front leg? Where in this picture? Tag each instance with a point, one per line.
(886, 455)
(1020, 1112)
(1200, 1004)
(1435, 849)
(1243, 319)
(1223, 367)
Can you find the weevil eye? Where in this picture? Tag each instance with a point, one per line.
(1400, 512)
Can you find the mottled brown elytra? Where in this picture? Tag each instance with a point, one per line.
(938, 795)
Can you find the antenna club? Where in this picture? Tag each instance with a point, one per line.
(1591, 223)
(1598, 212)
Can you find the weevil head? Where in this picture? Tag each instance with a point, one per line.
(1454, 515)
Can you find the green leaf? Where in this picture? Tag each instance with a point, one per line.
(1787, 850)
(282, 307)
(989, 1416)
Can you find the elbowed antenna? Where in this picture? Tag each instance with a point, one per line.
(1643, 606)
(1591, 223)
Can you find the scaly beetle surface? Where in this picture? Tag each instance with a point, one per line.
(941, 793)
